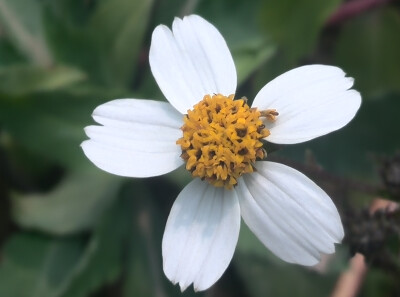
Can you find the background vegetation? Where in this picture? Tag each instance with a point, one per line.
(67, 229)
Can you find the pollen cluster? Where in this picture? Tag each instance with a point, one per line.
(221, 139)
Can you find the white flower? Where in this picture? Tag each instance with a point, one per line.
(288, 212)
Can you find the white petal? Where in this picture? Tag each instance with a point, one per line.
(311, 100)
(289, 213)
(201, 235)
(138, 138)
(191, 62)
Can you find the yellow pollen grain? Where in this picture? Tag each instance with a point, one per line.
(222, 139)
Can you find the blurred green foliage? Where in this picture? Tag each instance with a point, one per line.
(70, 230)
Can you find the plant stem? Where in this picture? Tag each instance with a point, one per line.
(353, 8)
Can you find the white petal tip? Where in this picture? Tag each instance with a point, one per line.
(340, 235)
(310, 263)
(351, 80)
(183, 287)
(312, 101)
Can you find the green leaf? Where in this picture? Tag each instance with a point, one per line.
(377, 283)
(102, 261)
(143, 266)
(8, 53)
(165, 11)
(74, 205)
(69, 12)
(64, 267)
(51, 124)
(368, 50)
(251, 56)
(295, 25)
(234, 19)
(144, 274)
(19, 80)
(22, 21)
(104, 39)
(263, 278)
(250, 47)
(41, 264)
(68, 37)
(117, 28)
(265, 274)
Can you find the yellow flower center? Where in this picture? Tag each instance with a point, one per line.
(221, 139)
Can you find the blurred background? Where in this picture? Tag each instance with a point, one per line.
(68, 229)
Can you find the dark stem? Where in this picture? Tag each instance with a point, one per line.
(317, 173)
(353, 8)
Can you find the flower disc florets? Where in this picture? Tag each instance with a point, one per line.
(221, 139)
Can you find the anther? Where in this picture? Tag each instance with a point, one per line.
(270, 114)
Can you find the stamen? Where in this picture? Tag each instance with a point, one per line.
(270, 114)
(222, 139)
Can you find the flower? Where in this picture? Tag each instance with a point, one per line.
(220, 142)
